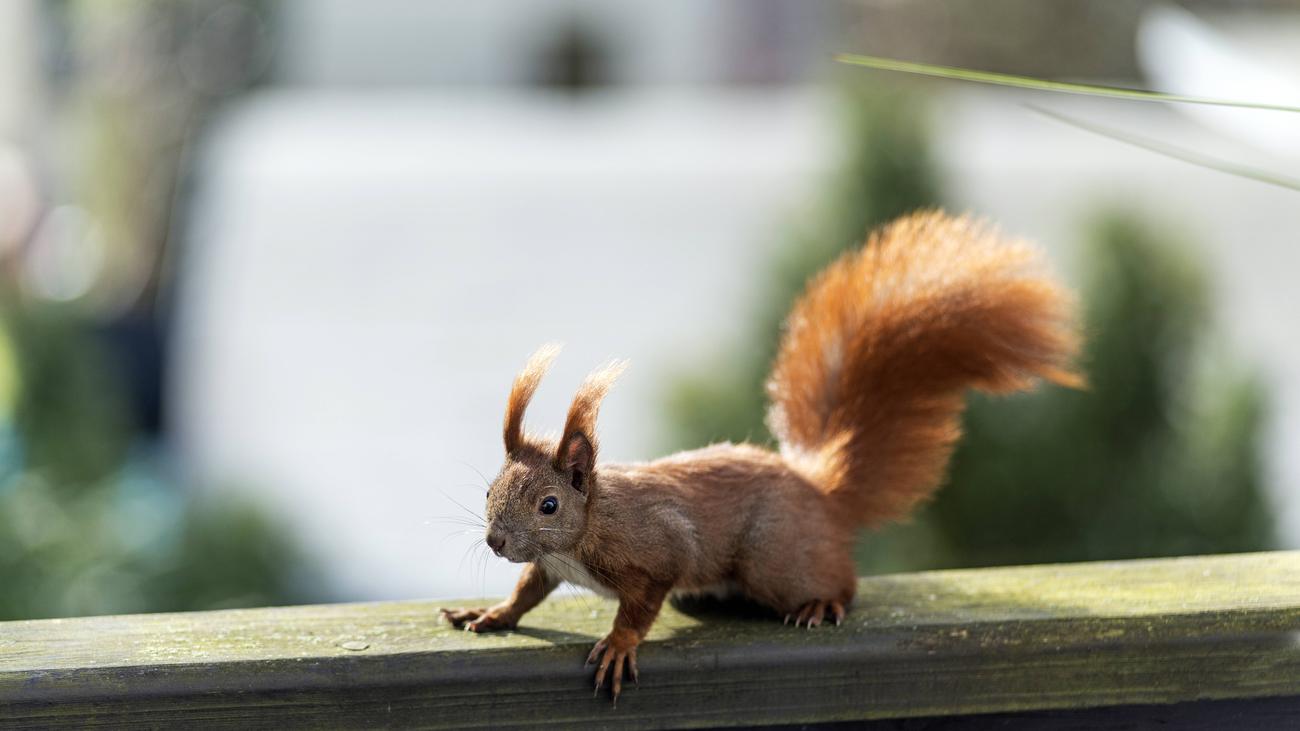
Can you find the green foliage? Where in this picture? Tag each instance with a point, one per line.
(68, 409)
(90, 522)
(888, 172)
(88, 525)
(1158, 457)
(228, 554)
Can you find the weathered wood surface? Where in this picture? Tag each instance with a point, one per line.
(938, 644)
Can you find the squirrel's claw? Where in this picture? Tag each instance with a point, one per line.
(837, 610)
(595, 653)
(477, 620)
(818, 614)
(805, 614)
(812, 613)
(619, 660)
(459, 617)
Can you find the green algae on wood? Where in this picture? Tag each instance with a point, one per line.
(926, 644)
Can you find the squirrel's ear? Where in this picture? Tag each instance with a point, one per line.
(522, 392)
(577, 460)
(576, 456)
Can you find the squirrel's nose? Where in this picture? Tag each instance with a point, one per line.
(496, 542)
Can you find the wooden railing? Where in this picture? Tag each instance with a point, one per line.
(1204, 642)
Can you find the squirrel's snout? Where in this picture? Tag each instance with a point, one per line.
(496, 542)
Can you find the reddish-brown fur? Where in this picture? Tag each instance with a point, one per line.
(866, 391)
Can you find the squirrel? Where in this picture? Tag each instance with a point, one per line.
(866, 395)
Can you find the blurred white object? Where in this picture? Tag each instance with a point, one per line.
(66, 255)
(364, 273)
(1183, 54)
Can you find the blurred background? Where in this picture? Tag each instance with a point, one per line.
(268, 268)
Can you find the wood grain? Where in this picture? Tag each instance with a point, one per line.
(925, 645)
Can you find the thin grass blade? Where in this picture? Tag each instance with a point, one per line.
(1064, 87)
(1177, 153)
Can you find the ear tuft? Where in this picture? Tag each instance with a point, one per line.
(522, 392)
(577, 452)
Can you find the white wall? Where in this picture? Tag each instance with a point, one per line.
(499, 42)
(365, 274)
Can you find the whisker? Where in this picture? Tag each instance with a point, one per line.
(481, 567)
(482, 573)
(460, 567)
(455, 520)
(486, 482)
(580, 594)
(455, 534)
(460, 505)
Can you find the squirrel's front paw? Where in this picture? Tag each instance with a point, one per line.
(619, 648)
(478, 620)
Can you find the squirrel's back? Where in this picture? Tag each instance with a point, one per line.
(870, 378)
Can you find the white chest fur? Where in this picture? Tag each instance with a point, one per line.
(564, 567)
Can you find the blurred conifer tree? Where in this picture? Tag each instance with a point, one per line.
(888, 172)
(89, 522)
(1159, 457)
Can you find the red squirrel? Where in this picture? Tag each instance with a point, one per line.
(866, 396)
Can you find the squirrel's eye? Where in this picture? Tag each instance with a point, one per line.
(549, 505)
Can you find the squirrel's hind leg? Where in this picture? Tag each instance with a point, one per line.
(806, 581)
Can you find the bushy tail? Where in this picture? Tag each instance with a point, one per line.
(869, 383)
